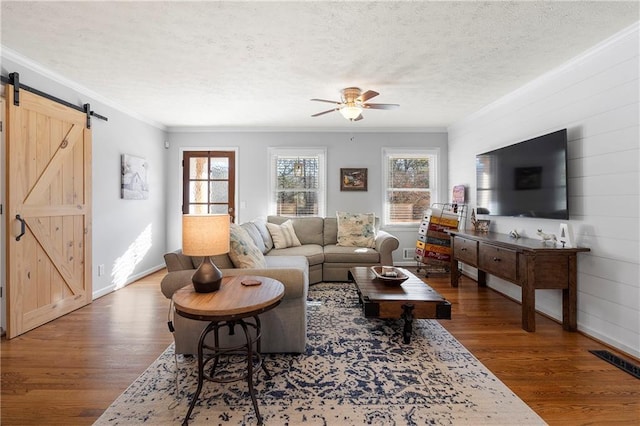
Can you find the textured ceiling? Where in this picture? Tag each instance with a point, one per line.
(257, 64)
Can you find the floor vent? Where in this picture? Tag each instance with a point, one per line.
(622, 364)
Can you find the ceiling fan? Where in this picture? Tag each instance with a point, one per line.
(353, 102)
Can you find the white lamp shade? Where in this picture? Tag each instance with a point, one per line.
(205, 235)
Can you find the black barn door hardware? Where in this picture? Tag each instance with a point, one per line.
(14, 79)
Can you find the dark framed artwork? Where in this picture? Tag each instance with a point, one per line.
(353, 179)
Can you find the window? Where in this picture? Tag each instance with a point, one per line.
(297, 182)
(410, 185)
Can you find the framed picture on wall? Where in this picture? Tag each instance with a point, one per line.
(134, 184)
(353, 179)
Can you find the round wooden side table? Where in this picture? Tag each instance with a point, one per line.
(230, 306)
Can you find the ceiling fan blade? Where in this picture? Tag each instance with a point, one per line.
(367, 95)
(325, 100)
(325, 112)
(380, 106)
(358, 118)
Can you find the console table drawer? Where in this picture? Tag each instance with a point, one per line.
(498, 261)
(465, 250)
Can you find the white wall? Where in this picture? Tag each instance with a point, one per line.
(344, 149)
(128, 236)
(595, 97)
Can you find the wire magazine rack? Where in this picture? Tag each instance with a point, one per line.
(433, 243)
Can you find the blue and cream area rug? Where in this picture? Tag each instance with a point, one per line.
(356, 371)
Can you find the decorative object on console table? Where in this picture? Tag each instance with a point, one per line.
(547, 237)
(479, 225)
(565, 237)
(458, 196)
(482, 225)
(524, 262)
(206, 235)
(353, 179)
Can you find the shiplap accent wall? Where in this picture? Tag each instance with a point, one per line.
(595, 96)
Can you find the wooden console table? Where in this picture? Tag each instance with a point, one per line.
(526, 262)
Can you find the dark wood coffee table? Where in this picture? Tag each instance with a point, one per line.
(411, 299)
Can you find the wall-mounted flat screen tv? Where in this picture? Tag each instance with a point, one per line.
(527, 179)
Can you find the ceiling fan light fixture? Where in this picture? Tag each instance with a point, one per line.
(351, 112)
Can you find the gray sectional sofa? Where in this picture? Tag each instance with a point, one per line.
(317, 259)
(327, 260)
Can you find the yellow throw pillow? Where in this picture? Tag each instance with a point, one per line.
(356, 229)
(283, 236)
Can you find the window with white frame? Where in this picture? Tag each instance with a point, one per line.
(297, 181)
(410, 185)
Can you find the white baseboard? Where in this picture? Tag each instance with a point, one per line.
(109, 289)
(405, 263)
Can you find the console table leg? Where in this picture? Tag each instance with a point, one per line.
(407, 315)
(528, 307)
(482, 278)
(570, 297)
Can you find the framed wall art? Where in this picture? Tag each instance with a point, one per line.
(134, 183)
(353, 179)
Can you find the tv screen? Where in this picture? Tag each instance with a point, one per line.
(527, 179)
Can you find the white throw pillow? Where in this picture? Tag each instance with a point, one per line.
(243, 251)
(283, 236)
(356, 229)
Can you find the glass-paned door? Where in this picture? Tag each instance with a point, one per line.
(209, 182)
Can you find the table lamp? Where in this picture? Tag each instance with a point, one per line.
(205, 235)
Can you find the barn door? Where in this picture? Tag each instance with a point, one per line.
(48, 211)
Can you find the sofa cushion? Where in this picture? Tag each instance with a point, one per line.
(356, 229)
(309, 230)
(243, 251)
(330, 230)
(253, 232)
(357, 255)
(261, 226)
(283, 235)
(313, 252)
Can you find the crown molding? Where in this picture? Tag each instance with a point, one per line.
(38, 68)
(542, 79)
(217, 129)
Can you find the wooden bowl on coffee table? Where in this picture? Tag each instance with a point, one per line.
(398, 279)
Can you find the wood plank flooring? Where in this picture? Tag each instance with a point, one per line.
(67, 372)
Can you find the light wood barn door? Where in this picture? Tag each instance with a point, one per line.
(48, 211)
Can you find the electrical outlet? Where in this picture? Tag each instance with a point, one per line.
(100, 270)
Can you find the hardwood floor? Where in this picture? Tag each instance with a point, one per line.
(67, 372)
